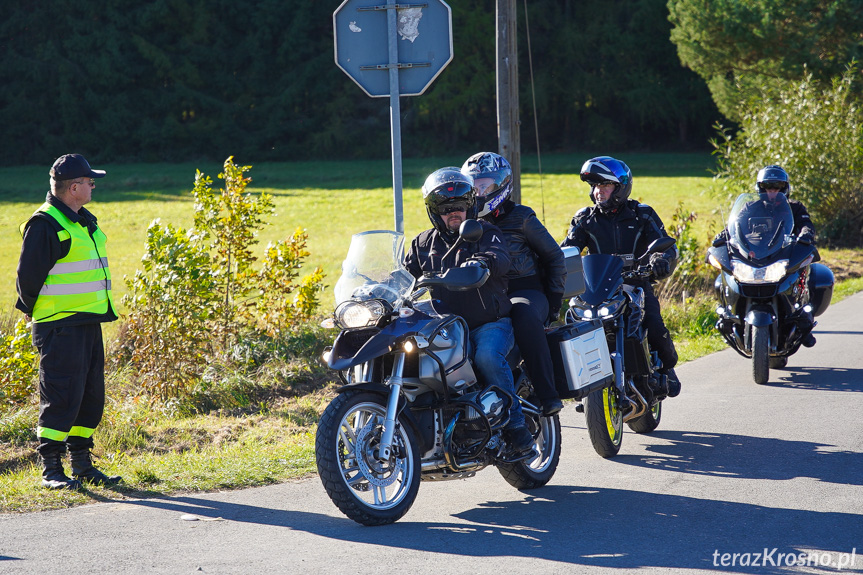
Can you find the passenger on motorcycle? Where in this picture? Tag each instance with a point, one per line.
(618, 225)
(771, 180)
(450, 199)
(537, 275)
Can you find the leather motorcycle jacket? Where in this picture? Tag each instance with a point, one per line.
(625, 232)
(487, 303)
(535, 255)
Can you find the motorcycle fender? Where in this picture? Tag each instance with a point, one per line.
(376, 346)
(759, 318)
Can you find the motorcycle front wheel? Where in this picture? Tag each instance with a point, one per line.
(369, 490)
(760, 354)
(604, 421)
(536, 472)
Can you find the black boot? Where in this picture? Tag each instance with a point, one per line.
(672, 383)
(83, 469)
(53, 476)
(520, 439)
(551, 407)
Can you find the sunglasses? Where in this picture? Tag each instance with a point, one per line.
(452, 207)
(773, 186)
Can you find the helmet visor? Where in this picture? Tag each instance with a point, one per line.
(452, 206)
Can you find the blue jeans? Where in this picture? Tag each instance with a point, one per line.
(490, 343)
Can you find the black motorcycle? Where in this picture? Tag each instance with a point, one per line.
(769, 286)
(412, 407)
(630, 389)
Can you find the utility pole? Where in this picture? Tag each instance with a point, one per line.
(508, 136)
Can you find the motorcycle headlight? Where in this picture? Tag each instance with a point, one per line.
(745, 273)
(582, 313)
(360, 313)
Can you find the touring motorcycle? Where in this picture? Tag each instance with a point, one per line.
(769, 287)
(630, 390)
(412, 407)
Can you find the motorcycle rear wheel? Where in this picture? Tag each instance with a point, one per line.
(760, 354)
(367, 489)
(604, 421)
(536, 472)
(778, 362)
(647, 422)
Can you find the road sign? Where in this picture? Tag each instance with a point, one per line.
(424, 44)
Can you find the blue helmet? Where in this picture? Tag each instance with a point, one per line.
(772, 176)
(494, 166)
(602, 169)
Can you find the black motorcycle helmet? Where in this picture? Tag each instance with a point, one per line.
(494, 166)
(772, 176)
(602, 169)
(448, 186)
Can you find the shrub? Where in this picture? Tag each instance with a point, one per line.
(17, 365)
(816, 134)
(199, 292)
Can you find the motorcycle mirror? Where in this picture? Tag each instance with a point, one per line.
(658, 246)
(470, 231)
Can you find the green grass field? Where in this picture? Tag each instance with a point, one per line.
(332, 200)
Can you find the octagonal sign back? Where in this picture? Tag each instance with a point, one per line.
(424, 39)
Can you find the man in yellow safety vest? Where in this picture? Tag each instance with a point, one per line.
(64, 286)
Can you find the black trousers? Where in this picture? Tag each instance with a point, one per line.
(71, 384)
(528, 314)
(657, 334)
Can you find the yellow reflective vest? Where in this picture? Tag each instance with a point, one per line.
(79, 282)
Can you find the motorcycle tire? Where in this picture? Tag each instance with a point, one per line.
(604, 421)
(760, 354)
(647, 422)
(536, 472)
(778, 362)
(367, 489)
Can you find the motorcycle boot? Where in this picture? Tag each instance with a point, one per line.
(672, 383)
(53, 476)
(520, 440)
(551, 407)
(83, 468)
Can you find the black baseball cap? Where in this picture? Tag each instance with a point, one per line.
(71, 166)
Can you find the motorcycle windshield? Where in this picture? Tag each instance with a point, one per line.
(374, 269)
(602, 276)
(760, 225)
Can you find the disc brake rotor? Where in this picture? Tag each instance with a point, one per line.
(378, 472)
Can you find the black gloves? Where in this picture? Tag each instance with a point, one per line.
(806, 237)
(660, 266)
(554, 302)
(721, 239)
(475, 263)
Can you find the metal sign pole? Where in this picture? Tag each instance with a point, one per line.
(395, 114)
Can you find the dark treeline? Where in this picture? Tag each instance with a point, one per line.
(185, 80)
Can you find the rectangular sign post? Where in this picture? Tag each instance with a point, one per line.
(413, 44)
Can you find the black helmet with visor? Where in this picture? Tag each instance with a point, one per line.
(445, 190)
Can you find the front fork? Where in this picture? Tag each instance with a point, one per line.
(617, 358)
(395, 382)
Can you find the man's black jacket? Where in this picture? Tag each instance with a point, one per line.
(482, 305)
(626, 232)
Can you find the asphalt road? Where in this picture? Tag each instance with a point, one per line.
(765, 472)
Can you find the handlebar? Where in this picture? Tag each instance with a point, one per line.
(644, 272)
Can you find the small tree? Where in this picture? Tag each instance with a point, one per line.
(199, 290)
(816, 134)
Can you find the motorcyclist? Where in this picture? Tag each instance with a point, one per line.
(618, 225)
(537, 275)
(771, 181)
(450, 199)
